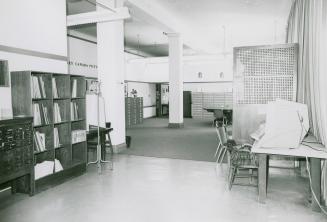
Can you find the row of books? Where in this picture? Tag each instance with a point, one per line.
(39, 113)
(39, 139)
(56, 137)
(78, 136)
(56, 113)
(73, 111)
(38, 89)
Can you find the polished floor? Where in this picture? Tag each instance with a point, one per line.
(196, 141)
(148, 189)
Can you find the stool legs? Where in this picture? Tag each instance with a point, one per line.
(108, 143)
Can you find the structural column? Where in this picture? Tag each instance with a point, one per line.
(175, 80)
(110, 52)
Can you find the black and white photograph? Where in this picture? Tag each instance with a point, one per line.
(163, 110)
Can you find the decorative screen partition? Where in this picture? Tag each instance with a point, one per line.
(261, 74)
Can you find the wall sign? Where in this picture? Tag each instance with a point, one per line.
(81, 64)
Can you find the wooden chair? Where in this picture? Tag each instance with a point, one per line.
(222, 142)
(219, 147)
(241, 159)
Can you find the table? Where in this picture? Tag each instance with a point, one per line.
(315, 157)
(212, 109)
(226, 112)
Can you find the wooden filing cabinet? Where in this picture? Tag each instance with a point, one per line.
(16, 154)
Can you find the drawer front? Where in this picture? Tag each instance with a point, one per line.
(15, 136)
(16, 148)
(15, 160)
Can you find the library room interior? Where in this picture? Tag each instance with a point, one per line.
(163, 110)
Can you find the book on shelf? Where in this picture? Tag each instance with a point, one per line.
(38, 87)
(46, 168)
(37, 114)
(56, 137)
(73, 111)
(39, 139)
(56, 113)
(42, 87)
(78, 136)
(40, 112)
(45, 114)
(54, 88)
(74, 88)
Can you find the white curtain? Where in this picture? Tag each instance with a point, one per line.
(307, 25)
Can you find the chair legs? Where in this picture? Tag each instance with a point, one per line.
(218, 149)
(221, 151)
(232, 175)
(231, 178)
(222, 155)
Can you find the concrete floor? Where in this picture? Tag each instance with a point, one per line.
(148, 189)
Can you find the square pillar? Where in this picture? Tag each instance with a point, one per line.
(111, 64)
(175, 80)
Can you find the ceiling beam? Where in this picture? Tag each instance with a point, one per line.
(143, 13)
(106, 4)
(98, 16)
(168, 23)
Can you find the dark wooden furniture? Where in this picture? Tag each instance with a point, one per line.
(221, 113)
(164, 109)
(105, 140)
(72, 156)
(4, 73)
(16, 154)
(158, 100)
(187, 104)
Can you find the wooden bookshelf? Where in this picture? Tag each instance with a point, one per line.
(54, 98)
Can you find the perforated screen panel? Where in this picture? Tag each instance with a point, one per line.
(265, 73)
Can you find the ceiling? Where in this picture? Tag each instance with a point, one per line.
(218, 25)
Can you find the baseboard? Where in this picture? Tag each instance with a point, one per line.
(176, 125)
(149, 117)
(119, 148)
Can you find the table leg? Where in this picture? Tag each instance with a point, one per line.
(267, 172)
(315, 171)
(262, 177)
(103, 145)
